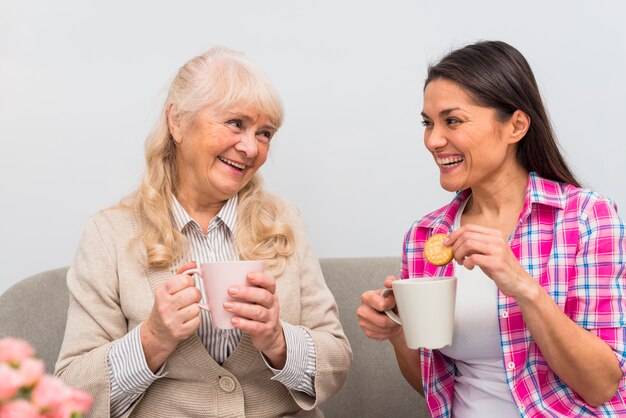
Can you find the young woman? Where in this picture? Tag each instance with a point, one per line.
(539, 326)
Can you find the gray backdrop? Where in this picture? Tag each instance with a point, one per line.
(81, 84)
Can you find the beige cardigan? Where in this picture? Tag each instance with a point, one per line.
(111, 292)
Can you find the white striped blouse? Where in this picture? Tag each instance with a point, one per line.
(128, 370)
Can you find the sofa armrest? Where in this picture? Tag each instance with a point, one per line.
(375, 387)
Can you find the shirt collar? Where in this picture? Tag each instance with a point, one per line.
(546, 192)
(539, 191)
(227, 214)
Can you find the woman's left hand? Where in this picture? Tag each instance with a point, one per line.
(257, 312)
(475, 245)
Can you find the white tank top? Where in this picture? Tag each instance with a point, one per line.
(480, 387)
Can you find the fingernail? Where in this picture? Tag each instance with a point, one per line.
(228, 305)
(233, 290)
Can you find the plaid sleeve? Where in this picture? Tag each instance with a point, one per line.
(596, 290)
(596, 299)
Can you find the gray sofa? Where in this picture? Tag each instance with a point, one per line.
(35, 309)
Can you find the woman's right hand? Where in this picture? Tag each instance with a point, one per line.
(175, 316)
(372, 318)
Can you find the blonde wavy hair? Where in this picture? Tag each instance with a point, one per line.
(219, 78)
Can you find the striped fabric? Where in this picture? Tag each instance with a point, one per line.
(216, 245)
(572, 241)
(130, 375)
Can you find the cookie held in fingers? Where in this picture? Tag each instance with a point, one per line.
(435, 252)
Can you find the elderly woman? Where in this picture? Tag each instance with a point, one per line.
(539, 327)
(136, 338)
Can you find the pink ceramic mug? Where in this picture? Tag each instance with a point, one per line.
(217, 277)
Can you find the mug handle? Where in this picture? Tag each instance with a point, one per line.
(197, 271)
(391, 314)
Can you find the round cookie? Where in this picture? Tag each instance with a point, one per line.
(435, 252)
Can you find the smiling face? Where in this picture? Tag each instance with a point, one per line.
(469, 144)
(219, 152)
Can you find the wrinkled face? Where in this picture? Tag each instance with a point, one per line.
(220, 151)
(469, 145)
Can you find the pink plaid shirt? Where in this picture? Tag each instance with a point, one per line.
(570, 240)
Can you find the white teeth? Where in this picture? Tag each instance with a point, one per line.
(230, 162)
(448, 161)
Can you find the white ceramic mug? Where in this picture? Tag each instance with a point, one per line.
(217, 277)
(426, 306)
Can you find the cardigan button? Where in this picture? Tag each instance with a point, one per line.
(227, 384)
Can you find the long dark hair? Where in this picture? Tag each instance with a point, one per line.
(496, 75)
